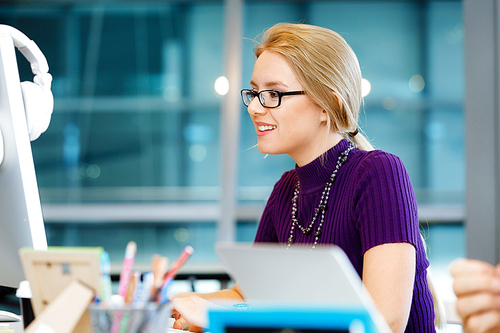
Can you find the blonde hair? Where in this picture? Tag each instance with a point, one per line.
(323, 63)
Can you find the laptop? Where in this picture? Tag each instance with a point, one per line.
(270, 274)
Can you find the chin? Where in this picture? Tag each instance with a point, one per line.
(262, 150)
(268, 151)
(270, 147)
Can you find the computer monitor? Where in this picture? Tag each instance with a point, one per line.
(21, 220)
(292, 319)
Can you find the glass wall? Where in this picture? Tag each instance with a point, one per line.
(411, 54)
(133, 149)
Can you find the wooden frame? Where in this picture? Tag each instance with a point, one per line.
(50, 272)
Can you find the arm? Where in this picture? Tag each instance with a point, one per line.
(386, 216)
(388, 274)
(226, 294)
(190, 309)
(477, 286)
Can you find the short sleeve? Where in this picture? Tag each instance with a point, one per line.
(385, 208)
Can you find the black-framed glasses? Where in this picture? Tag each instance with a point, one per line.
(267, 98)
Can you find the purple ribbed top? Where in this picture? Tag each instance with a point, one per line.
(371, 203)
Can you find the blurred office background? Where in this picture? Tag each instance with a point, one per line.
(138, 144)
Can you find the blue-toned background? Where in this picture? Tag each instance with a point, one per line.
(137, 119)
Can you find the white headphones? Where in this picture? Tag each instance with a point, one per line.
(37, 97)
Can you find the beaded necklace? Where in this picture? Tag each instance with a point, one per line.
(322, 206)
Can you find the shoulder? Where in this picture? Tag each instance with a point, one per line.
(283, 188)
(378, 157)
(288, 180)
(378, 162)
(281, 194)
(379, 169)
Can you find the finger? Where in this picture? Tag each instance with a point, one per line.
(464, 285)
(180, 324)
(196, 329)
(463, 266)
(175, 314)
(483, 322)
(177, 325)
(477, 303)
(193, 311)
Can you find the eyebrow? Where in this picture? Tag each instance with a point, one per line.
(268, 84)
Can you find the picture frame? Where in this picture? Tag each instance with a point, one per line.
(50, 272)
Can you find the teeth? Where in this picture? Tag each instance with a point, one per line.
(266, 128)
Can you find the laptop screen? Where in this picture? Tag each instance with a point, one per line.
(295, 291)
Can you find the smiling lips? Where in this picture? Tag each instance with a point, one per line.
(265, 129)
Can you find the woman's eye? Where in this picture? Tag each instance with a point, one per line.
(273, 94)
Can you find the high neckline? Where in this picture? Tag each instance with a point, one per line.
(313, 176)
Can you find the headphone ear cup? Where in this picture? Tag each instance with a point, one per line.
(38, 105)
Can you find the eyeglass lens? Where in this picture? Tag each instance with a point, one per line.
(267, 98)
(247, 97)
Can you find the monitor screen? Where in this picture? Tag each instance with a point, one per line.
(21, 220)
(292, 318)
(234, 329)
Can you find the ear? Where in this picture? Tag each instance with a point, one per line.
(339, 100)
(323, 117)
(324, 114)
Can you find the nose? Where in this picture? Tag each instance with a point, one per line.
(255, 108)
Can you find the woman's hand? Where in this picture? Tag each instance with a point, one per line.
(190, 311)
(477, 286)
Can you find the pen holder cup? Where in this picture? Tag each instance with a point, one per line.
(146, 318)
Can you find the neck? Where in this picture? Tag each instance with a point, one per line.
(307, 158)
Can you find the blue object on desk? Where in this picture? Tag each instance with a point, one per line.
(263, 319)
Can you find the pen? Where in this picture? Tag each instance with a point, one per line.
(159, 268)
(176, 265)
(147, 285)
(128, 262)
(105, 278)
(132, 286)
(139, 285)
(129, 298)
(164, 297)
(167, 279)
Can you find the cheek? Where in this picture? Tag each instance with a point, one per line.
(306, 116)
(297, 128)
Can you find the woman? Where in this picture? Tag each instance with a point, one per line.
(304, 102)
